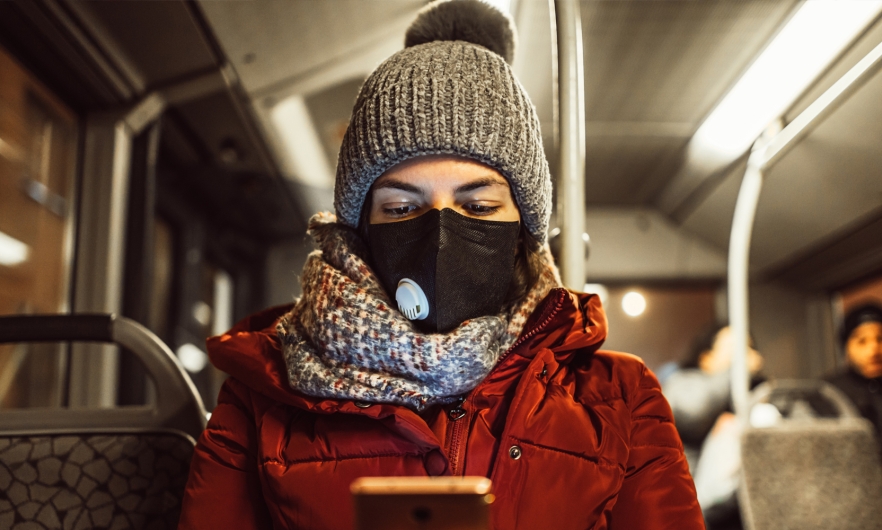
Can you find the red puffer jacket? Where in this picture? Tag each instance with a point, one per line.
(572, 438)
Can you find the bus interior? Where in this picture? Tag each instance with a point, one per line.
(160, 161)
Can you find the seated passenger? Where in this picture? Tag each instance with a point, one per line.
(861, 380)
(699, 393)
(489, 369)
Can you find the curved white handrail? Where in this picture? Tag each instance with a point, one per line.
(766, 152)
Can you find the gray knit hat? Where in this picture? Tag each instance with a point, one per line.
(443, 95)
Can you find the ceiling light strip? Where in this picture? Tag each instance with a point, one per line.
(815, 35)
(823, 106)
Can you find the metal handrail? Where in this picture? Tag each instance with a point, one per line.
(571, 127)
(766, 152)
(178, 404)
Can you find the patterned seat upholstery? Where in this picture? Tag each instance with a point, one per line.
(110, 480)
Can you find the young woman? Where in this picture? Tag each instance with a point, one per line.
(486, 367)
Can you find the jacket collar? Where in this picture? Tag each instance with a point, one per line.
(569, 324)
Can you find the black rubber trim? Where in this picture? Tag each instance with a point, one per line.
(51, 328)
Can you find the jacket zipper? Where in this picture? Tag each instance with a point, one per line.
(460, 424)
(456, 440)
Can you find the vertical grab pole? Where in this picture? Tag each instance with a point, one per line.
(739, 260)
(571, 191)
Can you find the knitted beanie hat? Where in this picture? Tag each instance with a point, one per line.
(450, 91)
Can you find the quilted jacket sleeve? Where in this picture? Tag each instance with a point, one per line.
(223, 490)
(657, 492)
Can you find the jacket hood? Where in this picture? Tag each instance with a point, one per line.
(570, 324)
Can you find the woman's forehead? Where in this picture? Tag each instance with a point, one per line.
(441, 170)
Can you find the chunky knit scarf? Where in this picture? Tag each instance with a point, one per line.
(345, 339)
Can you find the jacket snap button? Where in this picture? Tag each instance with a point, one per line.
(456, 414)
(362, 404)
(514, 452)
(544, 372)
(436, 464)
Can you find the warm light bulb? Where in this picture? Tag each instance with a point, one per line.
(634, 304)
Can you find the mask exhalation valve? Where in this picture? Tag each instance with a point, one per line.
(412, 301)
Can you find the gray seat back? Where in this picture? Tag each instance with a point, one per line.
(99, 468)
(811, 473)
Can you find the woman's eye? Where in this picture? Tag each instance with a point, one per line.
(480, 209)
(399, 211)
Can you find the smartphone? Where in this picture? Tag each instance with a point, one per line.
(422, 503)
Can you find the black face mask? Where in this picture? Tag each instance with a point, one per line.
(463, 266)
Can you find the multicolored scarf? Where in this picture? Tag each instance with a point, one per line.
(345, 338)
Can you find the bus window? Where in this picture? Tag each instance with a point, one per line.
(135, 387)
(37, 162)
(211, 314)
(163, 271)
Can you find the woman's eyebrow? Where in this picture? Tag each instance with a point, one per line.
(398, 185)
(480, 183)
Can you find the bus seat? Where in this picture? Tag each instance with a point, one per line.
(99, 468)
(810, 471)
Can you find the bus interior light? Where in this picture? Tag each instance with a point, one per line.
(814, 36)
(12, 251)
(633, 304)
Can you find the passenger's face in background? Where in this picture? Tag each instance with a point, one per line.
(469, 188)
(864, 349)
(719, 358)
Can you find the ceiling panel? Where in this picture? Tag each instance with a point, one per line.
(712, 218)
(655, 70)
(271, 42)
(215, 121)
(669, 61)
(616, 167)
(842, 261)
(826, 186)
(161, 38)
(827, 183)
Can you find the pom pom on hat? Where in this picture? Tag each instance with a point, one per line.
(472, 21)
